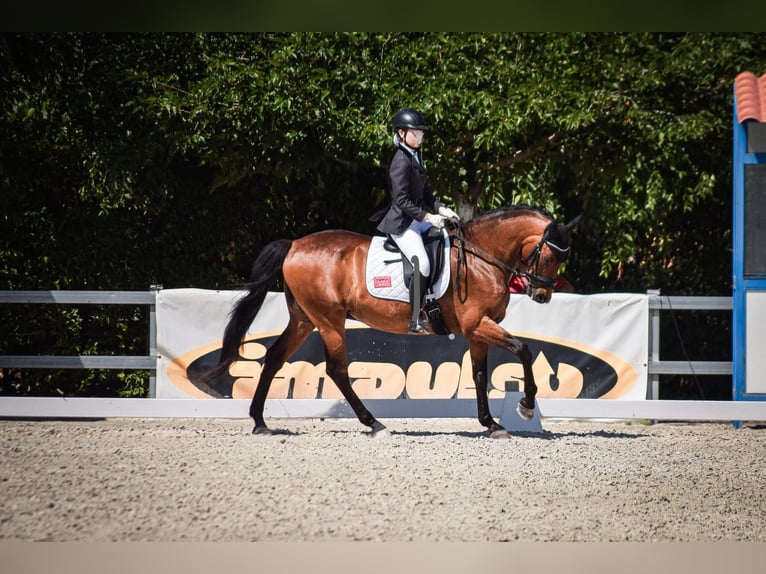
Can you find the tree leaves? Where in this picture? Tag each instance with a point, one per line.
(628, 128)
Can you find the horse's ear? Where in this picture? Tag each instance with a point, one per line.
(574, 222)
(565, 230)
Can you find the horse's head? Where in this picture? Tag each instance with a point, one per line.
(541, 263)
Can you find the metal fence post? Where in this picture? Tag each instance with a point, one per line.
(653, 388)
(153, 338)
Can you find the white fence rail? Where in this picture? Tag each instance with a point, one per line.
(120, 362)
(557, 408)
(656, 366)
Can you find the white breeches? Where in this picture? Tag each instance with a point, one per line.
(411, 244)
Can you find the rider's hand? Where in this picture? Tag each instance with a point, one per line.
(448, 213)
(436, 220)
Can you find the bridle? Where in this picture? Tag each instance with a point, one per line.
(534, 280)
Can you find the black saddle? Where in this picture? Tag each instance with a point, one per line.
(432, 241)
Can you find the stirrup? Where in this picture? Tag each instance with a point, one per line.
(418, 328)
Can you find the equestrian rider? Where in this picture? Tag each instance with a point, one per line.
(413, 207)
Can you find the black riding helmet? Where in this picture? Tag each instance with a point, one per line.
(408, 118)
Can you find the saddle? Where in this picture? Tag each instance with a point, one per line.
(433, 242)
(388, 273)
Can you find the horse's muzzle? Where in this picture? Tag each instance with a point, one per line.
(540, 295)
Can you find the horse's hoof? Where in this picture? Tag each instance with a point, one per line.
(378, 430)
(263, 430)
(499, 433)
(524, 412)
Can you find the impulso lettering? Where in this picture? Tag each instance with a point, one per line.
(388, 366)
(384, 380)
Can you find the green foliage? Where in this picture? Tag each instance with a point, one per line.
(133, 159)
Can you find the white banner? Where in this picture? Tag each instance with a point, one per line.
(583, 346)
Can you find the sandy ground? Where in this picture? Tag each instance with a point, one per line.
(440, 480)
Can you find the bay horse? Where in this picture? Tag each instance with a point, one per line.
(324, 283)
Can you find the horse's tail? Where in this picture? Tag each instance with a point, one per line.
(265, 268)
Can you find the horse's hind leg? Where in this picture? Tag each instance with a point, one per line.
(296, 332)
(335, 352)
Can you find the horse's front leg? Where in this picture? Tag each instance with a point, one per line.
(479, 351)
(490, 332)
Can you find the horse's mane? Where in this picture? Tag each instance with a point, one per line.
(513, 211)
(519, 210)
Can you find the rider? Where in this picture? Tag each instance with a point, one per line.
(413, 207)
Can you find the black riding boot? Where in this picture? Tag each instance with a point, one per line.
(418, 285)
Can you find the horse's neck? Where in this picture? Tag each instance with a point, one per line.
(503, 241)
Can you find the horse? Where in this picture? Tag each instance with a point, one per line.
(323, 276)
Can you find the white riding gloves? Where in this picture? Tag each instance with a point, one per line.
(436, 220)
(448, 213)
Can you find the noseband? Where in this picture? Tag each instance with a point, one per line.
(534, 280)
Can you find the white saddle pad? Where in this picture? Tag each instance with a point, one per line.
(384, 273)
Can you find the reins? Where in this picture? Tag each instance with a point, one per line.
(533, 278)
(459, 235)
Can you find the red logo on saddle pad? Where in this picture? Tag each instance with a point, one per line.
(381, 282)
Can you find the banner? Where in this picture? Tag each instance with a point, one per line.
(583, 346)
